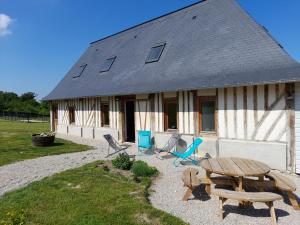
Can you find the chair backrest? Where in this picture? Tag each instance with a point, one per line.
(172, 142)
(192, 148)
(144, 139)
(111, 141)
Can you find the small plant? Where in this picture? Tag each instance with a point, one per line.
(47, 134)
(122, 161)
(14, 218)
(142, 169)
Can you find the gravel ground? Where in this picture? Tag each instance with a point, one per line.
(167, 190)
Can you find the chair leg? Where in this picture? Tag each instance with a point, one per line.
(293, 200)
(176, 162)
(107, 151)
(221, 210)
(272, 212)
(187, 194)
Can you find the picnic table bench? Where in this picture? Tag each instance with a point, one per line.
(252, 197)
(284, 184)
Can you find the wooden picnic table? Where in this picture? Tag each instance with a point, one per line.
(234, 167)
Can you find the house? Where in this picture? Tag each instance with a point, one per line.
(205, 70)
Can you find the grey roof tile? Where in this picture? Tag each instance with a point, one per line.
(222, 47)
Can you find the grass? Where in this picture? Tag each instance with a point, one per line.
(88, 195)
(15, 139)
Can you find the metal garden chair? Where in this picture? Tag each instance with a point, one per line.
(188, 153)
(144, 141)
(170, 145)
(112, 143)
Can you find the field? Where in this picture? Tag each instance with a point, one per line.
(89, 195)
(15, 142)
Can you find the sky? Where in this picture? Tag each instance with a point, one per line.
(41, 39)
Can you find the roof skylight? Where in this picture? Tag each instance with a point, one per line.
(155, 53)
(79, 70)
(107, 64)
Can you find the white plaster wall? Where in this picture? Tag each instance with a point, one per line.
(271, 153)
(243, 122)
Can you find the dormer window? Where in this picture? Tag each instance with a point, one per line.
(155, 53)
(79, 70)
(107, 64)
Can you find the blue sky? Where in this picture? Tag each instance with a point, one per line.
(45, 37)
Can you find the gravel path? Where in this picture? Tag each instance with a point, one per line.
(167, 189)
(21, 173)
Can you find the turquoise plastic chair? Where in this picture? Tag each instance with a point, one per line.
(188, 153)
(144, 141)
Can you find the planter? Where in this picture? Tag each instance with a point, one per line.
(42, 141)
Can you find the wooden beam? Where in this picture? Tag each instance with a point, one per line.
(245, 112)
(225, 113)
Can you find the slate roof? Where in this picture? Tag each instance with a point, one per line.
(223, 46)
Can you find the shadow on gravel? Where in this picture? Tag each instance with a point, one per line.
(251, 211)
(200, 193)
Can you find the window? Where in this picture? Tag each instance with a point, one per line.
(155, 53)
(104, 114)
(79, 70)
(207, 112)
(71, 115)
(107, 64)
(170, 114)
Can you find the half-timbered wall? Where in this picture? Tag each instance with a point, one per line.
(87, 112)
(158, 112)
(142, 113)
(253, 113)
(114, 113)
(186, 112)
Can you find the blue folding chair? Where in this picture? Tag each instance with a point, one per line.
(188, 153)
(144, 141)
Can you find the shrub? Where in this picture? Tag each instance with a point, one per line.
(142, 169)
(122, 161)
(14, 218)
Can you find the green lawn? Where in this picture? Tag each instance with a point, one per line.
(15, 142)
(88, 195)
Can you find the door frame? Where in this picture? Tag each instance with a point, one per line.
(54, 121)
(125, 99)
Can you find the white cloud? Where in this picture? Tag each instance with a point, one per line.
(5, 22)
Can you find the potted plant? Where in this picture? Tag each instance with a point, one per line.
(43, 139)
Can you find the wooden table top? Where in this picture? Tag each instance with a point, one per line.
(235, 167)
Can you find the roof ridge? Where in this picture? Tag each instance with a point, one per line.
(153, 19)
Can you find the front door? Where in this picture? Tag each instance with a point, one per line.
(129, 121)
(54, 118)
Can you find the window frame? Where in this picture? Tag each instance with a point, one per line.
(102, 114)
(72, 119)
(83, 66)
(166, 116)
(163, 45)
(113, 58)
(200, 101)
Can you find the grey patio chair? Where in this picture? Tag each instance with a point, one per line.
(169, 145)
(112, 143)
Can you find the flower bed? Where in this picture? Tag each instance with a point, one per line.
(43, 139)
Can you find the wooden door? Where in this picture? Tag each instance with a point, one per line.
(54, 118)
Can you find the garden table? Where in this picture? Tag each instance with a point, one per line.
(234, 167)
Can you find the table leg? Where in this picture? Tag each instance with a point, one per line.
(208, 186)
(240, 188)
(261, 180)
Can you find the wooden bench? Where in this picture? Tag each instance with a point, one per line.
(190, 180)
(264, 197)
(283, 183)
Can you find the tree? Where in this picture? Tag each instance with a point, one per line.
(28, 96)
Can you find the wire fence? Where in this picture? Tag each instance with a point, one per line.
(24, 116)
